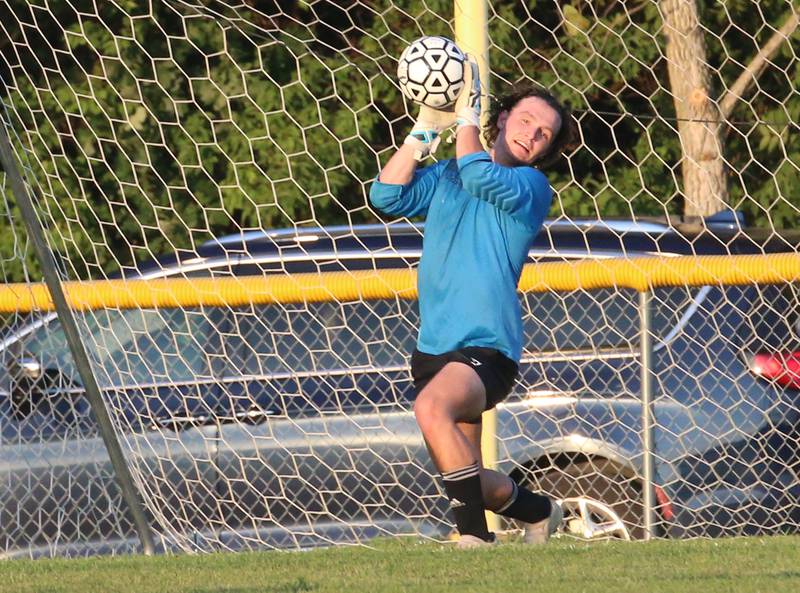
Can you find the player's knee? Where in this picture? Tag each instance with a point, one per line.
(428, 411)
(422, 409)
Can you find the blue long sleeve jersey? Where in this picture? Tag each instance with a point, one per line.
(480, 221)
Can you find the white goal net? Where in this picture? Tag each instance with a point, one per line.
(188, 139)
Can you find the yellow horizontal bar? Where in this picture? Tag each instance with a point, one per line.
(195, 292)
(639, 273)
(645, 273)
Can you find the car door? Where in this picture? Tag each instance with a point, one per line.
(50, 495)
(321, 443)
(155, 369)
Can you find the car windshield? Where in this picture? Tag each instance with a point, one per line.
(130, 347)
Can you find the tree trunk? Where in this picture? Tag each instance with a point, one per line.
(705, 187)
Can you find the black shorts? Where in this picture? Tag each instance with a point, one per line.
(497, 371)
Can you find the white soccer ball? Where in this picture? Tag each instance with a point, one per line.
(431, 72)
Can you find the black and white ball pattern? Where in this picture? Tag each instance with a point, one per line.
(431, 72)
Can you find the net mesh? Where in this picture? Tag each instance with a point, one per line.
(147, 129)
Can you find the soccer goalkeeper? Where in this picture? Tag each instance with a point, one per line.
(482, 212)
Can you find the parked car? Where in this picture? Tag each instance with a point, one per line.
(290, 425)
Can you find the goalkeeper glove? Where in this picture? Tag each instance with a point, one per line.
(427, 131)
(468, 104)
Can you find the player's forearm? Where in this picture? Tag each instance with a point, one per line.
(401, 167)
(468, 141)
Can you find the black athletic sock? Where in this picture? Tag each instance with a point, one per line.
(525, 506)
(463, 488)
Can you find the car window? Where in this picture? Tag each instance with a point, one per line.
(315, 337)
(770, 317)
(48, 345)
(132, 347)
(672, 308)
(598, 319)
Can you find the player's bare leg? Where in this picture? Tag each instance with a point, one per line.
(456, 395)
(448, 411)
(539, 515)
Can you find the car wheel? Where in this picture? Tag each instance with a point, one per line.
(599, 502)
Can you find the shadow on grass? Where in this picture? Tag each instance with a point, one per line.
(783, 574)
(299, 585)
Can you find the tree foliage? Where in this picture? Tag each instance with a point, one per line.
(149, 127)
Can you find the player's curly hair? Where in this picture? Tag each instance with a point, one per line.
(506, 102)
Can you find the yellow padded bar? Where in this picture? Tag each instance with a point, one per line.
(234, 292)
(645, 273)
(640, 274)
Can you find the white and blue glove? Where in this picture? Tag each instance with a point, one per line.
(427, 131)
(468, 104)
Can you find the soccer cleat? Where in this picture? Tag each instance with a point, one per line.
(466, 542)
(540, 532)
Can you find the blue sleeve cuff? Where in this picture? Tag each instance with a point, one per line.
(382, 193)
(380, 183)
(387, 186)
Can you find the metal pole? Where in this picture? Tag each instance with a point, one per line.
(123, 476)
(472, 37)
(645, 305)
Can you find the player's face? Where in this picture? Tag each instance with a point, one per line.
(526, 132)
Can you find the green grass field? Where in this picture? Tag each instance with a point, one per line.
(764, 565)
